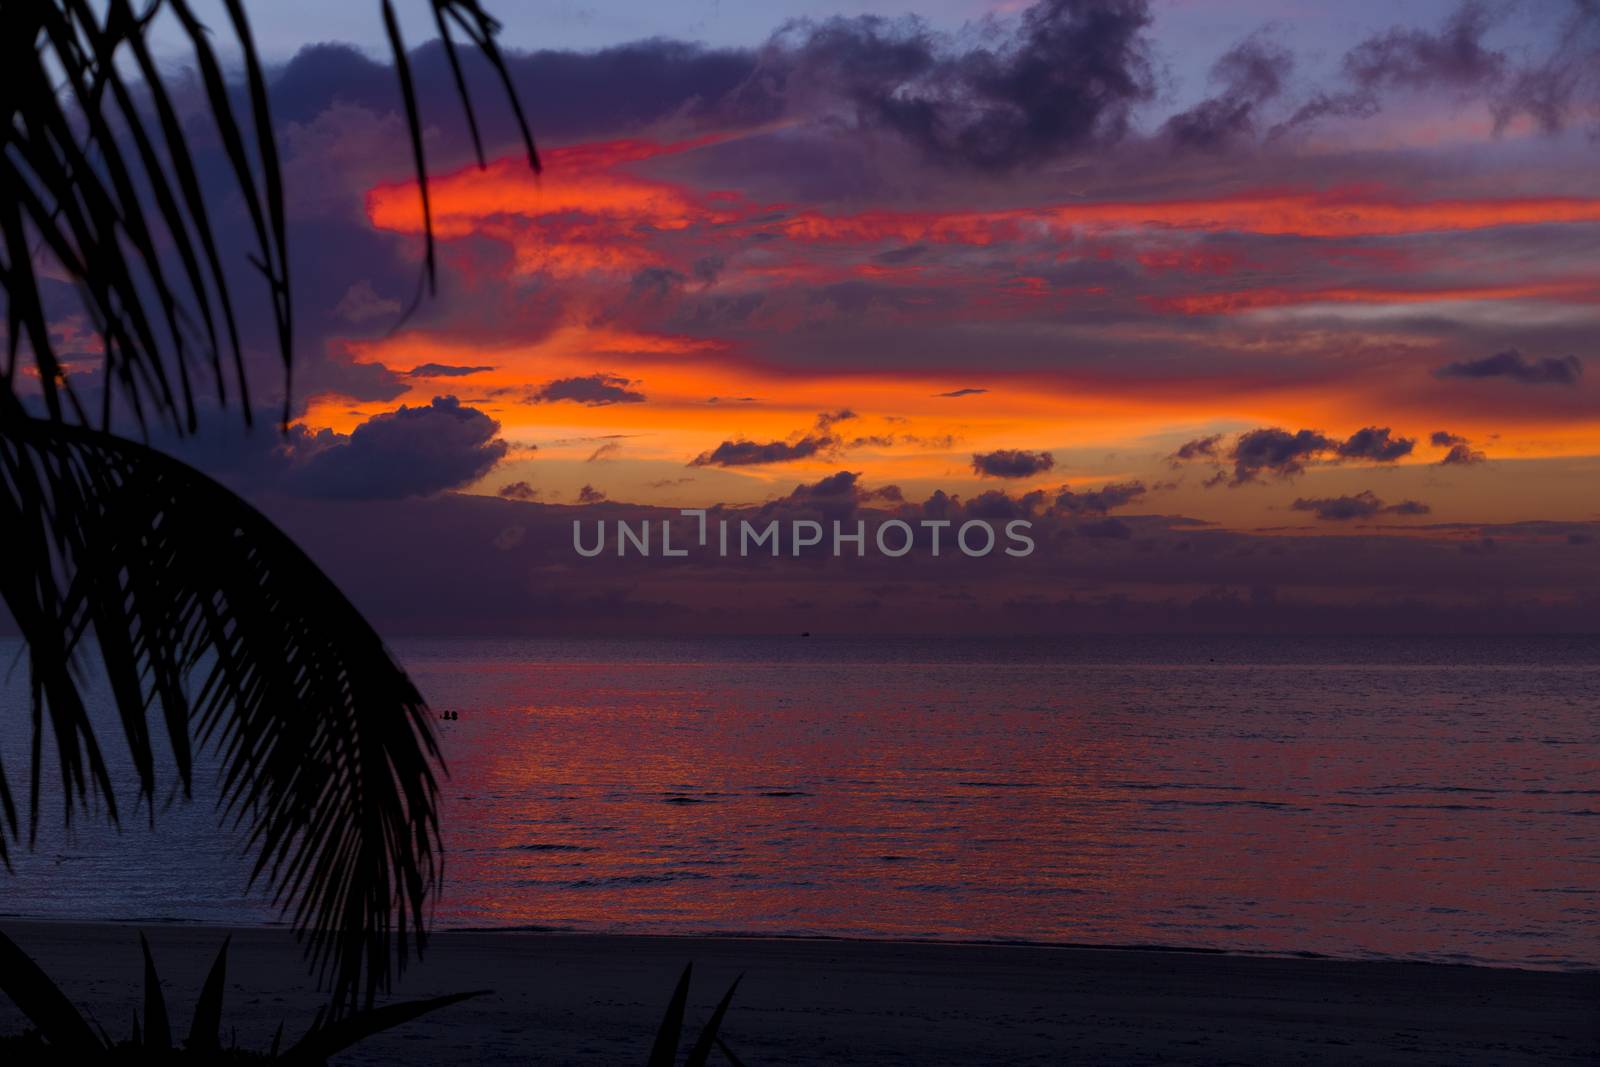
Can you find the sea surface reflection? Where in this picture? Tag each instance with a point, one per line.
(1404, 799)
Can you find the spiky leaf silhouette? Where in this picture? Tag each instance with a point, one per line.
(61, 1034)
(664, 1050)
(328, 1039)
(668, 1034)
(157, 1033)
(700, 1055)
(326, 747)
(205, 1032)
(42, 1001)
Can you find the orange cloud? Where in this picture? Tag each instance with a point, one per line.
(589, 197)
(582, 215)
(594, 214)
(1332, 213)
(1250, 299)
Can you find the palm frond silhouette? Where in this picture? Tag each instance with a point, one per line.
(203, 613)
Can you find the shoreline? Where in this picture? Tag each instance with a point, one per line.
(168, 922)
(572, 997)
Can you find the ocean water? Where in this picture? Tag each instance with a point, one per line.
(1395, 798)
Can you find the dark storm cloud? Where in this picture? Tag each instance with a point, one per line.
(518, 491)
(1275, 451)
(1514, 365)
(444, 370)
(753, 453)
(1374, 443)
(1554, 82)
(836, 496)
(411, 451)
(941, 505)
(997, 505)
(1099, 501)
(1553, 88)
(1460, 451)
(1462, 455)
(1454, 56)
(370, 383)
(1251, 73)
(612, 89)
(992, 505)
(1011, 463)
(594, 390)
(1362, 505)
(1324, 104)
(1199, 448)
(1456, 59)
(1067, 78)
(838, 484)
(960, 393)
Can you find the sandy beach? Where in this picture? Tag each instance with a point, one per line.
(591, 999)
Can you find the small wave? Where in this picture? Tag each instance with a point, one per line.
(999, 785)
(1381, 790)
(1271, 805)
(542, 846)
(1156, 786)
(638, 879)
(1415, 807)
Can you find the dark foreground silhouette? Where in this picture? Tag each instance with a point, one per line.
(203, 614)
(58, 1032)
(588, 999)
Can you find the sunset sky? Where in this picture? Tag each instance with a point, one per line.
(1265, 265)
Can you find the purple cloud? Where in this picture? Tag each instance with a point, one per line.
(1519, 368)
(1362, 505)
(752, 453)
(594, 390)
(1011, 463)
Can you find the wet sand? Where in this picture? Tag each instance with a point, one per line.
(593, 999)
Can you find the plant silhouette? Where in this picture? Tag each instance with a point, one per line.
(203, 613)
(59, 1029)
